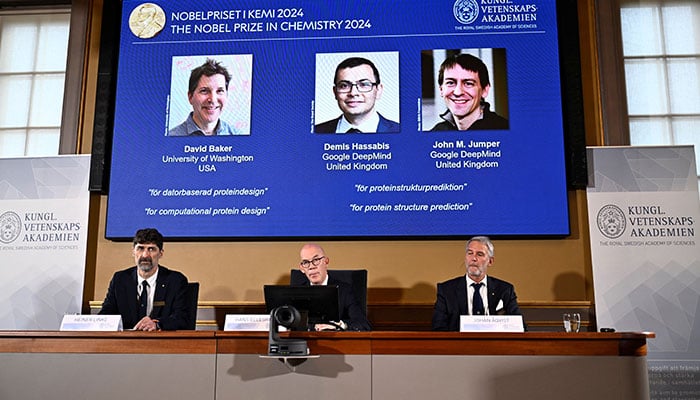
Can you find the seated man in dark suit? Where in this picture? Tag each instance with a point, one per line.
(456, 297)
(314, 265)
(356, 88)
(148, 296)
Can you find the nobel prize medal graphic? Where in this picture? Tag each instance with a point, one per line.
(147, 20)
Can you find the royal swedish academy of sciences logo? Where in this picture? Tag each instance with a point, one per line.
(611, 221)
(466, 11)
(10, 227)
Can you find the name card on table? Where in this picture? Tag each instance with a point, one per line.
(491, 323)
(101, 323)
(247, 322)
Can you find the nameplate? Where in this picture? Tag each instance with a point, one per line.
(100, 323)
(247, 322)
(491, 323)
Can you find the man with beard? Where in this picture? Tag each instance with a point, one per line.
(148, 296)
(457, 297)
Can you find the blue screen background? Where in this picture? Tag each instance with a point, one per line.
(284, 188)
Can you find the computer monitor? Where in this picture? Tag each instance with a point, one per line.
(317, 304)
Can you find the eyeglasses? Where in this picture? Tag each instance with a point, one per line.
(362, 86)
(315, 261)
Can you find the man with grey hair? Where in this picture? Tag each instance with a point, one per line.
(474, 293)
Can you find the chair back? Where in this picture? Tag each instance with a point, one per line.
(191, 299)
(356, 278)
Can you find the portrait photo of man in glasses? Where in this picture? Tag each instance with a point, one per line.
(357, 89)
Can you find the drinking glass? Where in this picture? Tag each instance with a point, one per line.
(575, 322)
(572, 322)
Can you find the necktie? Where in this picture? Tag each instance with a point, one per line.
(353, 130)
(477, 303)
(143, 299)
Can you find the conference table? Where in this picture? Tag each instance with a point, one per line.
(344, 365)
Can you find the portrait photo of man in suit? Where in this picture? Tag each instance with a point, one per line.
(474, 293)
(358, 89)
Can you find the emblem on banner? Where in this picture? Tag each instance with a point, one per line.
(10, 227)
(466, 11)
(611, 221)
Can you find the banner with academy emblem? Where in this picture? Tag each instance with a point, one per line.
(43, 238)
(644, 214)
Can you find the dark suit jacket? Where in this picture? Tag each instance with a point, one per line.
(452, 301)
(169, 306)
(350, 310)
(385, 125)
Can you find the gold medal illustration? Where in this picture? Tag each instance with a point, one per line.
(147, 20)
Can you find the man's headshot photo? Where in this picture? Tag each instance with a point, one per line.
(362, 88)
(459, 92)
(210, 96)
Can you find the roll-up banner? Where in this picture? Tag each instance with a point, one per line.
(644, 209)
(43, 237)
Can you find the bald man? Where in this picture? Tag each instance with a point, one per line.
(314, 265)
